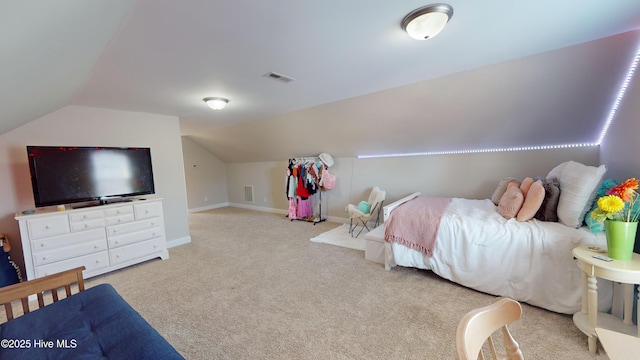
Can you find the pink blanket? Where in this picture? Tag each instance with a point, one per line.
(415, 223)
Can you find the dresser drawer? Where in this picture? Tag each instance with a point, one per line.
(48, 226)
(118, 230)
(130, 238)
(120, 219)
(86, 215)
(121, 210)
(92, 263)
(131, 252)
(52, 243)
(148, 210)
(68, 252)
(87, 225)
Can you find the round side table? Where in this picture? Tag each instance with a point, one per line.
(625, 272)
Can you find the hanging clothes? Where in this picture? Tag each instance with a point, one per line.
(302, 186)
(304, 208)
(291, 183)
(304, 182)
(293, 208)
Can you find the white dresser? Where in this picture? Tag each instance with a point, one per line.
(101, 238)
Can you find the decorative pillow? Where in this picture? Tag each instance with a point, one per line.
(364, 207)
(526, 184)
(597, 226)
(578, 185)
(532, 202)
(502, 187)
(549, 209)
(511, 202)
(556, 171)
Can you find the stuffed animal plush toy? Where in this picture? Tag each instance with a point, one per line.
(9, 271)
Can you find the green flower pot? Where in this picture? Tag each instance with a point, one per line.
(621, 236)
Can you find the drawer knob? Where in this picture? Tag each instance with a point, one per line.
(86, 225)
(42, 245)
(44, 258)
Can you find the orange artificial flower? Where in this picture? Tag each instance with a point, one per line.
(624, 209)
(626, 190)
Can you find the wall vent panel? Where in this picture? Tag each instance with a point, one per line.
(248, 193)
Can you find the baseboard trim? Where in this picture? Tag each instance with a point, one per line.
(209, 207)
(259, 208)
(335, 219)
(178, 242)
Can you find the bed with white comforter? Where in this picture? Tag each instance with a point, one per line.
(528, 261)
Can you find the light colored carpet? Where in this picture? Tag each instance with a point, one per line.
(251, 285)
(340, 236)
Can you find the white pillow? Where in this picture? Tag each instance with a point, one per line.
(578, 186)
(556, 171)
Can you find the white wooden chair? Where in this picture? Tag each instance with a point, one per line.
(477, 327)
(375, 201)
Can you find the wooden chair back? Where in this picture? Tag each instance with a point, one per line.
(476, 328)
(22, 291)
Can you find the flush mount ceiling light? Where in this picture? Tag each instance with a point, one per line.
(216, 103)
(427, 22)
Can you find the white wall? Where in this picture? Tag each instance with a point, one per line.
(205, 176)
(620, 149)
(621, 146)
(83, 126)
(464, 175)
(268, 181)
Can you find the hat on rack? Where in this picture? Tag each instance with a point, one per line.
(326, 159)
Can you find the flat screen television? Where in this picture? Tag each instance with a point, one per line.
(65, 174)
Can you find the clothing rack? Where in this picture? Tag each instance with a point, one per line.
(304, 178)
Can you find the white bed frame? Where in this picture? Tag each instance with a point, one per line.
(386, 211)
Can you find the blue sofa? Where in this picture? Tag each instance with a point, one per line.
(96, 323)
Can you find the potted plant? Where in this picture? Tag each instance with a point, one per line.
(618, 211)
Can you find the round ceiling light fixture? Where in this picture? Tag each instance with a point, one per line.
(428, 21)
(216, 103)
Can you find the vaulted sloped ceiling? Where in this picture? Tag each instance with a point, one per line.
(49, 49)
(501, 74)
(558, 97)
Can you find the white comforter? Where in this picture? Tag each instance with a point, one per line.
(527, 261)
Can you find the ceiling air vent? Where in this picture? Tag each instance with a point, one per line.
(282, 78)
